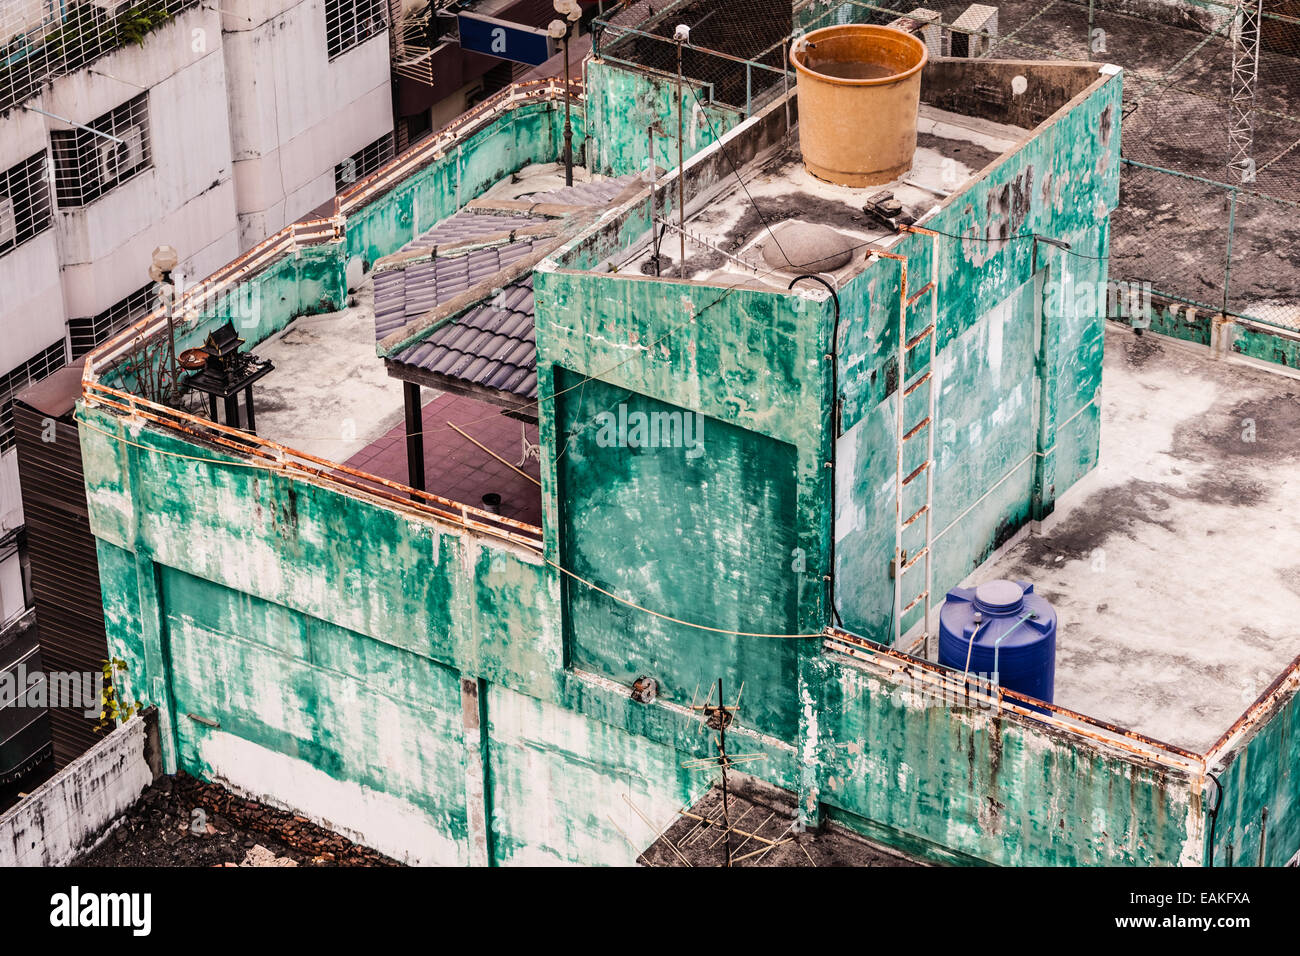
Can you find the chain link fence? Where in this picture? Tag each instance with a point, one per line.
(736, 49)
(1202, 228)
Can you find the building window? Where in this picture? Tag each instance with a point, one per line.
(361, 164)
(40, 366)
(84, 335)
(86, 166)
(352, 22)
(24, 202)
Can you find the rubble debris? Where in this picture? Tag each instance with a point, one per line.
(183, 821)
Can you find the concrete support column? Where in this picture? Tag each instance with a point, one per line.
(155, 683)
(478, 801)
(153, 638)
(808, 809)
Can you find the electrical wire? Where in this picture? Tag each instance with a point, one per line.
(271, 467)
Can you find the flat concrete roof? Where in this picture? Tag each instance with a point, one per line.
(726, 234)
(1174, 566)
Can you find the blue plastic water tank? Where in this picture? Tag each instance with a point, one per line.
(1007, 629)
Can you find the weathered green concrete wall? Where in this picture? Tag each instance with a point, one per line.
(644, 522)
(953, 783)
(1255, 340)
(746, 360)
(1259, 816)
(1018, 372)
(529, 133)
(623, 105)
(566, 789)
(333, 669)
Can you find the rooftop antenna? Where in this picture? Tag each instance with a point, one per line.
(682, 35)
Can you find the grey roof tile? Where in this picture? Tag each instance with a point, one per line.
(493, 344)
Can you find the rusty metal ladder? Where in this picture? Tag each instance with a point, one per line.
(924, 428)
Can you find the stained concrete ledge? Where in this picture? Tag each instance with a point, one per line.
(1175, 565)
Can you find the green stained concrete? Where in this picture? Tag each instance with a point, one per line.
(331, 637)
(646, 522)
(529, 133)
(1014, 427)
(957, 782)
(1259, 816)
(624, 105)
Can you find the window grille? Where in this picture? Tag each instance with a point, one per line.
(349, 23)
(364, 162)
(86, 334)
(40, 366)
(87, 166)
(24, 202)
(42, 39)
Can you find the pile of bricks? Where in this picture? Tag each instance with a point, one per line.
(321, 846)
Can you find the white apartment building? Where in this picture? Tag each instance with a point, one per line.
(126, 125)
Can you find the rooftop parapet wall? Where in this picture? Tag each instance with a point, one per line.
(953, 776)
(1256, 818)
(624, 106)
(1019, 342)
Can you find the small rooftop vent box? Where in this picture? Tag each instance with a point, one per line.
(974, 31)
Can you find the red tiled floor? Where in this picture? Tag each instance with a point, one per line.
(456, 468)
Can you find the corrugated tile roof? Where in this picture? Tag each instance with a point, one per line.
(493, 344)
(468, 224)
(403, 295)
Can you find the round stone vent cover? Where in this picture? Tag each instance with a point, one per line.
(796, 246)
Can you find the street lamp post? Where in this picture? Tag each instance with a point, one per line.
(165, 259)
(560, 30)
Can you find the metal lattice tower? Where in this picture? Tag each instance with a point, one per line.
(1241, 100)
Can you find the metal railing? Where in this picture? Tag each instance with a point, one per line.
(313, 232)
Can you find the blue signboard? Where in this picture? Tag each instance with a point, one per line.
(509, 41)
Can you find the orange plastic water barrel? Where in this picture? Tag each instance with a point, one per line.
(859, 89)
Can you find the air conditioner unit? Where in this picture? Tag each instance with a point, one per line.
(118, 159)
(112, 8)
(8, 222)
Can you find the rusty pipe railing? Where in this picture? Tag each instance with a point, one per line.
(1009, 701)
(280, 458)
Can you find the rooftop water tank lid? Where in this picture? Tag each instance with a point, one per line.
(999, 597)
(807, 247)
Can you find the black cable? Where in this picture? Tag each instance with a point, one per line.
(835, 426)
(731, 162)
(1214, 814)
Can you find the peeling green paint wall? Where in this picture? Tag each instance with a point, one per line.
(1259, 816)
(624, 104)
(1018, 370)
(744, 359)
(647, 522)
(949, 782)
(529, 133)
